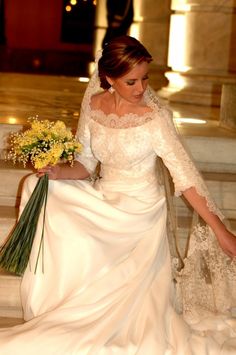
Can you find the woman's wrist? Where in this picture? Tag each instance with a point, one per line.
(219, 230)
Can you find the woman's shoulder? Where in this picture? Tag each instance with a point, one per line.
(98, 100)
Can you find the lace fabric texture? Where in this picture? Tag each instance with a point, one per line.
(127, 148)
(207, 283)
(106, 253)
(136, 140)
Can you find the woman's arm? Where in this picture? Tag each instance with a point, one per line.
(225, 238)
(65, 171)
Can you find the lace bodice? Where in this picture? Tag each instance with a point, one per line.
(127, 148)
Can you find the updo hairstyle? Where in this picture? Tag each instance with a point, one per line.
(120, 56)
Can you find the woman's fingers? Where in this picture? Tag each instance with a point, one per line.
(45, 170)
(51, 170)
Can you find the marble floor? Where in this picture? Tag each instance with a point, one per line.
(9, 322)
(59, 97)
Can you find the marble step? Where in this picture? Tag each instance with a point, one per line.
(221, 184)
(222, 187)
(8, 215)
(5, 130)
(6, 322)
(11, 181)
(10, 303)
(212, 154)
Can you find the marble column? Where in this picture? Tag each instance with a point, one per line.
(202, 51)
(228, 107)
(150, 26)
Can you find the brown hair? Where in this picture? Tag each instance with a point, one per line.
(119, 56)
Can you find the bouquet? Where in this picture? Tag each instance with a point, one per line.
(44, 143)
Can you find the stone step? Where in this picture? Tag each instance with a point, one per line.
(212, 154)
(8, 215)
(5, 130)
(11, 180)
(10, 303)
(222, 187)
(6, 322)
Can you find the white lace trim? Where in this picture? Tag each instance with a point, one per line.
(129, 120)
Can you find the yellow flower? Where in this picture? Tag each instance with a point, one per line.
(43, 143)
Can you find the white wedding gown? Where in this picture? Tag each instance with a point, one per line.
(106, 288)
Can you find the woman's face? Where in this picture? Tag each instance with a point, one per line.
(132, 85)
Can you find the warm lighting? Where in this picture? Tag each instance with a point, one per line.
(64, 113)
(83, 79)
(177, 43)
(91, 68)
(73, 2)
(138, 11)
(68, 8)
(187, 120)
(12, 120)
(175, 79)
(181, 5)
(135, 30)
(76, 114)
(95, 2)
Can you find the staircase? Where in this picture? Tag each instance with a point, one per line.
(22, 96)
(220, 175)
(11, 179)
(214, 156)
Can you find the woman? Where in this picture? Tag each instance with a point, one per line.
(106, 287)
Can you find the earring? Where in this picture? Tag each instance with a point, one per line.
(111, 89)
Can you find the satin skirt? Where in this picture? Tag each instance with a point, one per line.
(103, 282)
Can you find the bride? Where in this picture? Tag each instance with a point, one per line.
(107, 288)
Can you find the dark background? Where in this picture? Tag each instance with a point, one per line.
(40, 36)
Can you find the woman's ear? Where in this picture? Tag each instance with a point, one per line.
(109, 80)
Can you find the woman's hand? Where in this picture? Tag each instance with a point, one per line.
(64, 171)
(53, 171)
(227, 241)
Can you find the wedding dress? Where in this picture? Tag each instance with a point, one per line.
(103, 285)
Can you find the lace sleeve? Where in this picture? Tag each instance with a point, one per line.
(168, 146)
(86, 156)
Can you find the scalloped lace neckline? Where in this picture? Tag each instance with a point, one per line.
(112, 120)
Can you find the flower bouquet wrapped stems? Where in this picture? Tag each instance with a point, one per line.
(44, 143)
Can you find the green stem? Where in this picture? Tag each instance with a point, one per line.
(15, 253)
(41, 245)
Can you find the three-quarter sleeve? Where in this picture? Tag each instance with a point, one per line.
(168, 146)
(86, 157)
